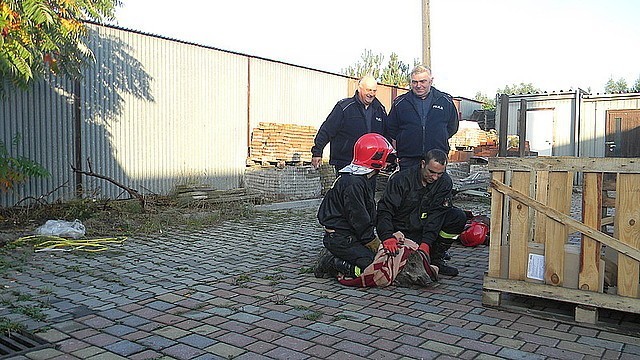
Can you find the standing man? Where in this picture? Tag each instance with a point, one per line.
(350, 118)
(420, 120)
(416, 205)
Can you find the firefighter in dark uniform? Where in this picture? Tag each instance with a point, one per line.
(417, 203)
(348, 210)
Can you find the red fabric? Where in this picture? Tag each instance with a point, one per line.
(384, 268)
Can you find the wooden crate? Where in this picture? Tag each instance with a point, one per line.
(530, 209)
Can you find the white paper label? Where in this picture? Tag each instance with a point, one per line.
(535, 269)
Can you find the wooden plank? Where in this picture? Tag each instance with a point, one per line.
(562, 163)
(576, 296)
(519, 228)
(589, 278)
(574, 224)
(560, 200)
(627, 221)
(542, 191)
(496, 236)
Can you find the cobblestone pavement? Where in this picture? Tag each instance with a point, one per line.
(243, 290)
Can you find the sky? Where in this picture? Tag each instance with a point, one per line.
(476, 45)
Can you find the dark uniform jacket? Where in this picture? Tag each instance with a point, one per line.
(344, 125)
(349, 207)
(418, 211)
(413, 137)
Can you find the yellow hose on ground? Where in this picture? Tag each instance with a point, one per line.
(56, 243)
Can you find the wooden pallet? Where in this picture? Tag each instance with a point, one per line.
(530, 206)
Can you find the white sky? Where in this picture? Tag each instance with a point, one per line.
(476, 45)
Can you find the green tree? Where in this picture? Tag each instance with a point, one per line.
(522, 88)
(396, 72)
(37, 36)
(616, 87)
(487, 104)
(636, 86)
(368, 64)
(17, 169)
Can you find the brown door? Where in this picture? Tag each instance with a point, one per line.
(622, 133)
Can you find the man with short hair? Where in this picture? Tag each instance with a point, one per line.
(423, 119)
(350, 118)
(416, 205)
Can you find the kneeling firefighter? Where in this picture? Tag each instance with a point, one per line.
(348, 210)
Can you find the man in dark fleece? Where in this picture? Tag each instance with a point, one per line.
(350, 118)
(416, 205)
(420, 120)
(348, 210)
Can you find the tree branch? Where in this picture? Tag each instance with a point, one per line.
(132, 192)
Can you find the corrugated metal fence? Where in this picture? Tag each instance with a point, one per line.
(153, 113)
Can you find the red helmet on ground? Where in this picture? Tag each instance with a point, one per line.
(475, 234)
(372, 151)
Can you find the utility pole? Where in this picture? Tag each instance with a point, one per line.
(426, 34)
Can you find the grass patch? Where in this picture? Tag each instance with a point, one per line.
(313, 316)
(33, 312)
(306, 270)
(7, 326)
(242, 279)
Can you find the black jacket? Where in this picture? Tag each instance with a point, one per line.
(418, 211)
(413, 138)
(349, 207)
(344, 125)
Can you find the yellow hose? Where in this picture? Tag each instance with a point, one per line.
(56, 243)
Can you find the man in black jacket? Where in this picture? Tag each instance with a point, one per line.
(420, 120)
(416, 205)
(350, 118)
(348, 210)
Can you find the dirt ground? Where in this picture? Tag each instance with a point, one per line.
(125, 217)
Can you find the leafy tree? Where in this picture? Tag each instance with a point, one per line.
(519, 89)
(487, 104)
(636, 86)
(37, 36)
(368, 64)
(616, 87)
(16, 169)
(396, 72)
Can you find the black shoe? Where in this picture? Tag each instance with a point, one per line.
(447, 255)
(324, 266)
(347, 269)
(445, 269)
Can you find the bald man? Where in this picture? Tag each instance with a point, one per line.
(350, 118)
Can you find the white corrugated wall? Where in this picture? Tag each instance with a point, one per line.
(155, 113)
(42, 116)
(285, 94)
(160, 111)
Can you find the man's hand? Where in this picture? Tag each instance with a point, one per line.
(315, 161)
(391, 246)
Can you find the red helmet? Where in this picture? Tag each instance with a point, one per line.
(372, 150)
(475, 234)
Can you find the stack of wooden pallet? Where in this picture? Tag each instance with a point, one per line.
(469, 135)
(188, 194)
(275, 143)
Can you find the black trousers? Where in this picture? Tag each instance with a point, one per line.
(454, 221)
(348, 248)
